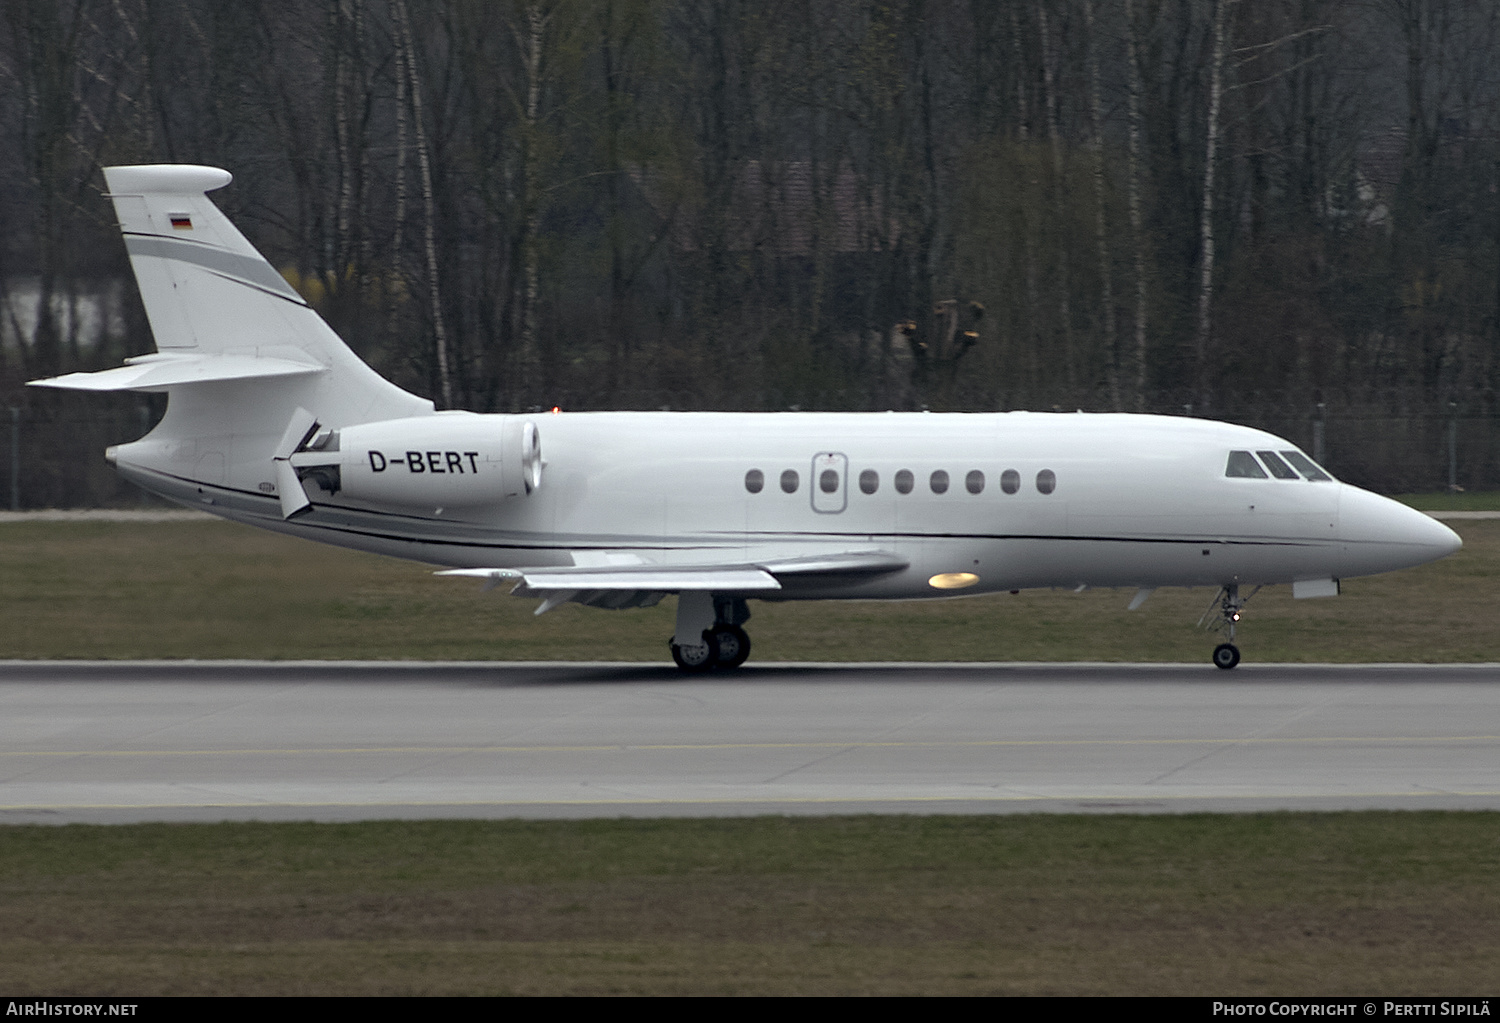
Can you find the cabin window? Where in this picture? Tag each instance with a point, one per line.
(1278, 468)
(1306, 466)
(755, 480)
(1010, 481)
(1046, 481)
(828, 481)
(869, 481)
(904, 481)
(974, 481)
(1242, 465)
(789, 481)
(938, 481)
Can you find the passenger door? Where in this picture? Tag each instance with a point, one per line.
(830, 480)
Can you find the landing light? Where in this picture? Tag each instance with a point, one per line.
(952, 580)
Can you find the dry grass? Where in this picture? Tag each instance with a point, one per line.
(208, 589)
(1258, 904)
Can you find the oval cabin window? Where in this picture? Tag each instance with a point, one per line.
(754, 481)
(869, 481)
(1046, 481)
(939, 482)
(974, 482)
(789, 481)
(828, 481)
(1010, 481)
(904, 481)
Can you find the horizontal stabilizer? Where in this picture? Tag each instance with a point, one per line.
(166, 370)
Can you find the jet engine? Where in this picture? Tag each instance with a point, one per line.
(437, 461)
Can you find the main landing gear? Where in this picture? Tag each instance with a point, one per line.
(1229, 605)
(708, 632)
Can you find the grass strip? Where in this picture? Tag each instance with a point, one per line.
(1462, 500)
(1336, 903)
(116, 590)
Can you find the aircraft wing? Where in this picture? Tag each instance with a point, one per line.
(641, 585)
(629, 577)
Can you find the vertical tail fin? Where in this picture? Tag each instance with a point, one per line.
(195, 270)
(208, 292)
(240, 355)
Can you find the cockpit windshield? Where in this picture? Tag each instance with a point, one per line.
(1306, 466)
(1278, 468)
(1242, 464)
(1283, 466)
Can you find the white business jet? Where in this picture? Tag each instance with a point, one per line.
(271, 420)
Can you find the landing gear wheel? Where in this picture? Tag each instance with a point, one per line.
(1226, 656)
(733, 645)
(698, 656)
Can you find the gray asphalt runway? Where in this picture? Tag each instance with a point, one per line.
(213, 741)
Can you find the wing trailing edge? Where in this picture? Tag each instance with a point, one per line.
(642, 585)
(737, 579)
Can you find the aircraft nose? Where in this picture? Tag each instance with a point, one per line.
(1380, 535)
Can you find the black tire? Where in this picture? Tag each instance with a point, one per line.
(697, 658)
(732, 644)
(1226, 656)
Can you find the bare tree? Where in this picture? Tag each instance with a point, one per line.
(1134, 165)
(429, 201)
(1212, 128)
(1101, 230)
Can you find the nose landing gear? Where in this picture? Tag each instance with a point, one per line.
(1229, 606)
(1226, 656)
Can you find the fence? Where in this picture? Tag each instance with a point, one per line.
(54, 454)
(1421, 451)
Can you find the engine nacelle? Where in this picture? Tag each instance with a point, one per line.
(437, 461)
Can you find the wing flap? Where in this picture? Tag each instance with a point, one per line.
(597, 574)
(618, 579)
(724, 578)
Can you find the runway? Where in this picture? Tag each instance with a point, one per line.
(178, 741)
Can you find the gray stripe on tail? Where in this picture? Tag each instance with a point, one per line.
(249, 269)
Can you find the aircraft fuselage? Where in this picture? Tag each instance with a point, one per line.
(1013, 500)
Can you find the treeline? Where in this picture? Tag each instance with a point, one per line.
(1244, 208)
